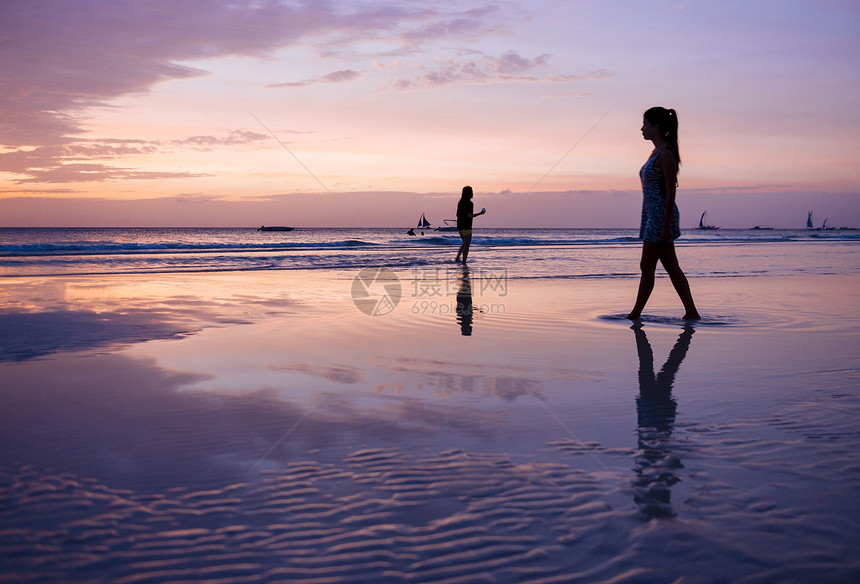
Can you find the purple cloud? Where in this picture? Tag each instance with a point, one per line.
(61, 58)
(510, 67)
(511, 63)
(342, 76)
(591, 75)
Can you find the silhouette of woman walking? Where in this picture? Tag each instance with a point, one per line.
(660, 218)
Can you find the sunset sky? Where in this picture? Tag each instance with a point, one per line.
(368, 113)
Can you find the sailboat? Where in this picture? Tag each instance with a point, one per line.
(423, 223)
(449, 224)
(824, 226)
(703, 225)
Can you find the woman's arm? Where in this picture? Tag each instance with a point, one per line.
(669, 168)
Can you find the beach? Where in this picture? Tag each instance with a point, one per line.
(350, 423)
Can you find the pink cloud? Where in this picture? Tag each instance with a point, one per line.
(342, 76)
(74, 172)
(233, 138)
(75, 161)
(591, 75)
(60, 58)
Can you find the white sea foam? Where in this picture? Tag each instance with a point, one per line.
(565, 253)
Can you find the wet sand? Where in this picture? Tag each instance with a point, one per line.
(262, 427)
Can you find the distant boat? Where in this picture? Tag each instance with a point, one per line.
(422, 224)
(450, 225)
(274, 228)
(703, 225)
(824, 226)
(760, 228)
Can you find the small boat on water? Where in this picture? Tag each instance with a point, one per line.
(824, 226)
(423, 224)
(450, 225)
(703, 225)
(274, 228)
(760, 228)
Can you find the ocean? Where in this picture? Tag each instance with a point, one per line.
(523, 253)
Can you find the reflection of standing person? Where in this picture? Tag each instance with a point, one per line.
(655, 408)
(465, 213)
(464, 304)
(660, 218)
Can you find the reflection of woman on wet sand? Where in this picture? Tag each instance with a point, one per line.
(464, 304)
(659, 227)
(655, 407)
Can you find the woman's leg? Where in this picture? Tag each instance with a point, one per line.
(462, 247)
(648, 265)
(670, 262)
(467, 240)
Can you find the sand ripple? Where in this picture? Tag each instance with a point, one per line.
(381, 516)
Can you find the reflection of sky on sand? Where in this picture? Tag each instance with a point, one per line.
(255, 358)
(133, 424)
(335, 348)
(283, 404)
(297, 339)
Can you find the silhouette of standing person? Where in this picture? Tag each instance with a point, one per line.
(465, 214)
(660, 218)
(655, 408)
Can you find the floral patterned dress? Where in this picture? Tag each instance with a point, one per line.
(654, 203)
